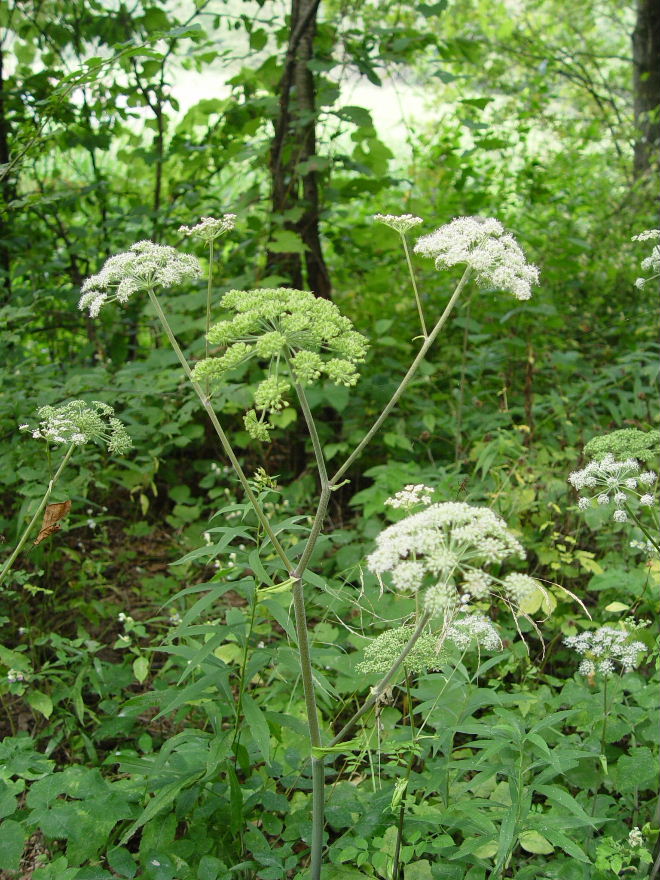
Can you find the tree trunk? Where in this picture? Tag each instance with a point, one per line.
(7, 193)
(646, 83)
(294, 192)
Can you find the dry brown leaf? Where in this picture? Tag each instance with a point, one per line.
(52, 515)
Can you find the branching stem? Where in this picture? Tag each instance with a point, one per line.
(206, 403)
(405, 381)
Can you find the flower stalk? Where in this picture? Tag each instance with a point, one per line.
(226, 445)
(6, 568)
(421, 354)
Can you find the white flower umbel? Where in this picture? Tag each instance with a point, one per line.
(652, 262)
(79, 422)
(494, 256)
(444, 552)
(411, 496)
(613, 482)
(474, 630)
(605, 647)
(399, 222)
(146, 266)
(210, 228)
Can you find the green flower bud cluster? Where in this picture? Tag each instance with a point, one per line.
(296, 332)
(79, 422)
(380, 654)
(625, 443)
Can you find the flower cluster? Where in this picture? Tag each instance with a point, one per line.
(625, 443)
(445, 550)
(604, 647)
(79, 422)
(380, 654)
(296, 332)
(410, 496)
(15, 676)
(208, 229)
(494, 256)
(401, 223)
(146, 266)
(611, 481)
(468, 631)
(474, 630)
(652, 262)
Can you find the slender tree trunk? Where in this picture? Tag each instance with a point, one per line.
(294, 184)
(646, 80)
(7, 194)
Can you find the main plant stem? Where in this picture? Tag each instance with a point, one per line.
(6, 568)
(318, 776)
(318, 772)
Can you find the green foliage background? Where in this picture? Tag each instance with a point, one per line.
(524, 769)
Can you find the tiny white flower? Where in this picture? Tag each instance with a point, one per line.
(647, 500)
(620, 516)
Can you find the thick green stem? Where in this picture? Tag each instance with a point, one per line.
(414, 286)
(402, 807)
(318, 775)
(377, 691)
(318, 772)
(405, 381)
(6, 568)
(206, 403)
(313, 434)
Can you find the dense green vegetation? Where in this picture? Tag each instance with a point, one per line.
(158, 710)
